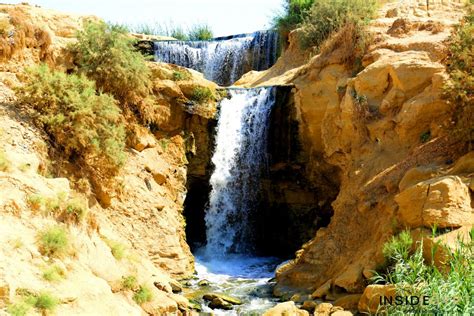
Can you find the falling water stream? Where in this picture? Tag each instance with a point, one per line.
(228, 260)
(222, 60)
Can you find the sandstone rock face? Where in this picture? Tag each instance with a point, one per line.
(144, 214)
(285, 309)
(92, 281)
(444, 202)
(437, 250)
(370, 300)
(349, 302)
(367, 130)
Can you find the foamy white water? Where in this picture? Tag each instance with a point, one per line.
(223, 61)
(241, 276)
(239, 159)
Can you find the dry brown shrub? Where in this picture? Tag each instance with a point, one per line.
(16, 34)
(348, 45)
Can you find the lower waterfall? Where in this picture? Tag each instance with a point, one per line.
(228, 260)
(239, 158)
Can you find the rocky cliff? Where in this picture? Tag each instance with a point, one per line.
(134, 232)
(382, 134)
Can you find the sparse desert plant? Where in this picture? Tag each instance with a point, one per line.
(36, 201)
(178, 33)
(129, 282)
(118, 249)
(327, 16)
(181, 75)
(294, 12)
(24, 167)
(53, 241)
(164, 144)
(84, 124)
(5, 164)
(143, 295)
(43, 301)
(76, 210)
(54, 273)
(19, 309)
(460, 90)
(200, 32)
(202, 94)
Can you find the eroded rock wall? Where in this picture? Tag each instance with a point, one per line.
(367, 131)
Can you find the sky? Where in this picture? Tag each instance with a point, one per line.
(226, 17)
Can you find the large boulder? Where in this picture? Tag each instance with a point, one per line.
(286, 309)
(444, 202)
(370, 300)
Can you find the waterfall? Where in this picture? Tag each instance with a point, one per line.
(222, 60)
(239, 159)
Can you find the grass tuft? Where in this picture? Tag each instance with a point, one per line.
(202, 94)
(53, 241)
(118, 249)
(143, 295)
(54, 273)
(19, 309)
(129, 282)
(43, 301)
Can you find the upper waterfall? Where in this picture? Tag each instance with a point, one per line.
(239, 159)
(225, 59)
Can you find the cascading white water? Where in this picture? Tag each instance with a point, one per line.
(239, 159)
(222, 60)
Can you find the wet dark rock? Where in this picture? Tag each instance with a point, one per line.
(229, 299)
(203, 283)
(176, 287)
(220, 303)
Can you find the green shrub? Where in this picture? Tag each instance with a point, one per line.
(327, 16)
(76, 209)
(129, 282)
(54, 273)
(202, 94)
(200, 32)
(43, 301)
(19, 309)
(178, 33)
(53, 241)
(181, 75)
(105, 54)
(293, 14)
(450, 292)
(143, 295)
(82, 123)
(460, 91)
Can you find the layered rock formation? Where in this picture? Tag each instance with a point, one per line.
(368, 131)
(143, 218)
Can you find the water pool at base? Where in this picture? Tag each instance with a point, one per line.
(244, 277)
